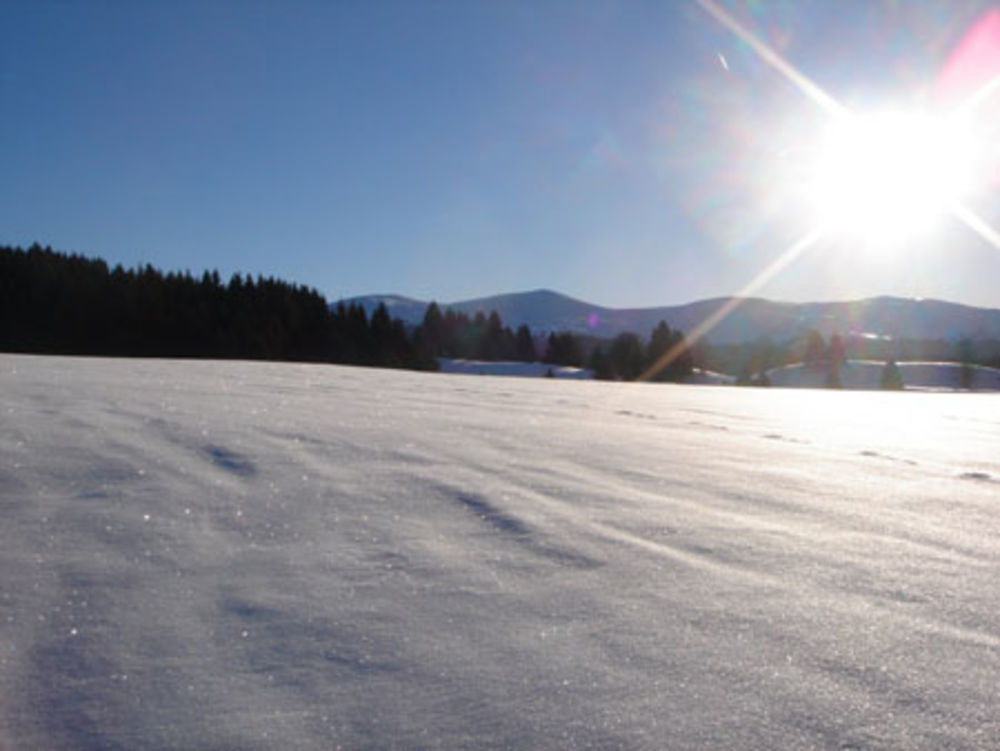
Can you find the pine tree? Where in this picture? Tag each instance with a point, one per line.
(966, 373)
(599, 364)
(815, 352)
(491, 345)
(660, 342)
(891, 379)
(564, 349)
(524, 345)
(838, 352)
(627, 356)
(433, 331)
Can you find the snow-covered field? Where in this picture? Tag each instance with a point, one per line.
(854, 374)
(866, 374)
(206, 555)
(510, 368)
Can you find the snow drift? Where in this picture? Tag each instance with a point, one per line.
(269, 556)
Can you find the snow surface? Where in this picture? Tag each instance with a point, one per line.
(223, 555)
(709, 378)
(866, 374)
(511, 368)
(540, 370)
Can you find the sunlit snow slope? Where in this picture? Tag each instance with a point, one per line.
(201, 555)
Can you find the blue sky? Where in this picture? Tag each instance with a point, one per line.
(615, 151)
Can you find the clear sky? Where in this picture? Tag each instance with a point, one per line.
(621, 152)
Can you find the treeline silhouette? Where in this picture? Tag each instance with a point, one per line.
(58, 303)
(480, 337)
(750, 361)
(626, 357)
(666, 356)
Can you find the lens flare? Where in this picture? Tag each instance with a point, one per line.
(885, 177)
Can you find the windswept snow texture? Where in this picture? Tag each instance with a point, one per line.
(271, 556)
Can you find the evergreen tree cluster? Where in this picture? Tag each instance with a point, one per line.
(564, 348)
(748, 360)
(665, 357)
(814, 353)
(56, 303)
(481, 337)
(484, 337)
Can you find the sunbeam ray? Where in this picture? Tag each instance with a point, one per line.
(701, 330)
(979, 96)
(977, 224)
(769, 55)
(834, 108)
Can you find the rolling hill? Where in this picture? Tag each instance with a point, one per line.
(545, 310)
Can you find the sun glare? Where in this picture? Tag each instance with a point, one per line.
(884, 177)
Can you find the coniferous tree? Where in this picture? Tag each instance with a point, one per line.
(891, 379)
(815, 350)
(682, 365)
(564, 349)
(703, 355)
(838, 352)
(491, 342)
(762, 354)
(66, 304)
(508, 344)
(600, 365)
(966, 373)
(627, 356)
(454, 329)
(524, 345)
(835, 360)
(380, 335)
(433, 330)
(661, 342)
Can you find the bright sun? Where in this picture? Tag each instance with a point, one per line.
(883, 178)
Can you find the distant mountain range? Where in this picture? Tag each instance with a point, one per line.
(545, 311)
